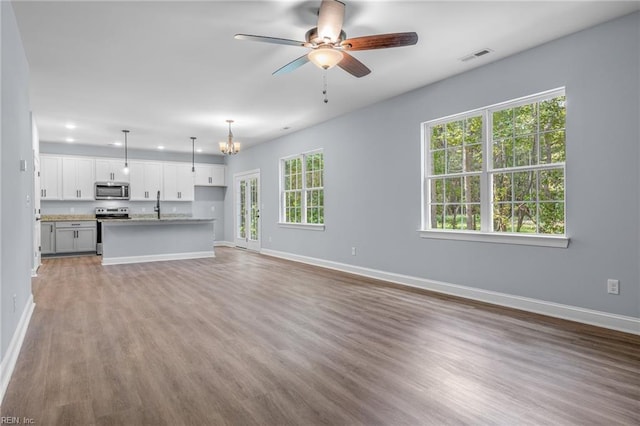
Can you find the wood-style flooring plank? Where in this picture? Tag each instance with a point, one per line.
(245, 339)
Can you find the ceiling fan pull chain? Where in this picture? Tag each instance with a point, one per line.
(324, 87)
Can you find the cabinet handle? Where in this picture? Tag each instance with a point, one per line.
(80, 193)
(45, 193)
(210, 179)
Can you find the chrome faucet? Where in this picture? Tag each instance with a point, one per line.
(157, 207)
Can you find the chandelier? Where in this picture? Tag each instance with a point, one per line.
(230, 147)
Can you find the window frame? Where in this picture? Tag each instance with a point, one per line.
(486, 232)
(304, 190)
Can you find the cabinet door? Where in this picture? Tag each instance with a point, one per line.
(218, 175)
(203, 175)
(111, 171)
(137, 182)
(170, 178)
(186, 190)
(50, 177)
(104, 172)
(85, 239)
(65, 239)
(69, 175)
(47, 238)
(85, 178)
(210, 175)
(153, 179)
(117, 168)
(78, 178)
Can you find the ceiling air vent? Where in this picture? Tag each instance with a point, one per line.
(475, 55)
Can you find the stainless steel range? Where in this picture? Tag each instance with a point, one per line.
(112, 212)
(108, 213)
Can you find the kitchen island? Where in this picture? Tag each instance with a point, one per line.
(148, 239)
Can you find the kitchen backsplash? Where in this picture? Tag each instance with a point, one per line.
(209, 203)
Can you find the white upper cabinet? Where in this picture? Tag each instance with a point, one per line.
(110, 170)
(210, 175)
(178, 182)
(78, 178)
(50, 177)
(145, 180)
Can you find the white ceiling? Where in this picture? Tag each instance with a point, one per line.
(171, 70)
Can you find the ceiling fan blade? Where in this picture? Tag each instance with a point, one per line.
(293, 65)
(380, 41)
(273, 40)
(330, 19)
(353, 66)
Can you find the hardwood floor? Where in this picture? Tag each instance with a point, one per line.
(245, 339)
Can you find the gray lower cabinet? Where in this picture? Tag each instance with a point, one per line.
(48, 237)
(75, 236)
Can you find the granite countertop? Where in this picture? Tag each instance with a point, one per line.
(163, 218)
(66, 217)
(134, 218)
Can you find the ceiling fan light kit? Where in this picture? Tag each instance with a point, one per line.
(325, 57)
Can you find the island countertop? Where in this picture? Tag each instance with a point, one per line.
(169, 219)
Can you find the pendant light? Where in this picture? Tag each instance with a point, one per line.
(229, 147)
(193, 154)
(126, 160)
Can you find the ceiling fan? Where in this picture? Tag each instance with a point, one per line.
(329, 44)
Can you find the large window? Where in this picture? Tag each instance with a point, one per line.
(302, 193)
(499, 169)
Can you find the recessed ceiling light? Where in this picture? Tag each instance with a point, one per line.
(199, 150)
(70, 126)
(117, 143)
(160, 147)
(70, 140)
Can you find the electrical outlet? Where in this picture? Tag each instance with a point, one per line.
(613, 286)
(270, 240)
(144, 209)
(213, 208)
(353, 251)
(72, 210)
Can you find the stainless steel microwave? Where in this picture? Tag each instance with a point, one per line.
(112, 191)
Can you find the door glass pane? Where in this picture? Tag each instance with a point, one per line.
(255, 212)
(242, 208)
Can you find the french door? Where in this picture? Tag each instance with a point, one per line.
(247, 210)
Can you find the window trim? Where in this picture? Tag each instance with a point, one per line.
(282, 214)
(487, 170)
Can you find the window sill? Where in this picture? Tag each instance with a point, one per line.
(518, 239)
(308, 226)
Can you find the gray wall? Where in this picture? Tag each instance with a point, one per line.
(16, 212)
(372, 178)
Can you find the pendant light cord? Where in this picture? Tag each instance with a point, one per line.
(193, 154)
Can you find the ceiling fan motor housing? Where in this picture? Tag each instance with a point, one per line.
(312, 37)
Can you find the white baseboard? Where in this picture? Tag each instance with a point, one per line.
(573, 313)
(157, 257)
(223, 244)
(11, 356)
